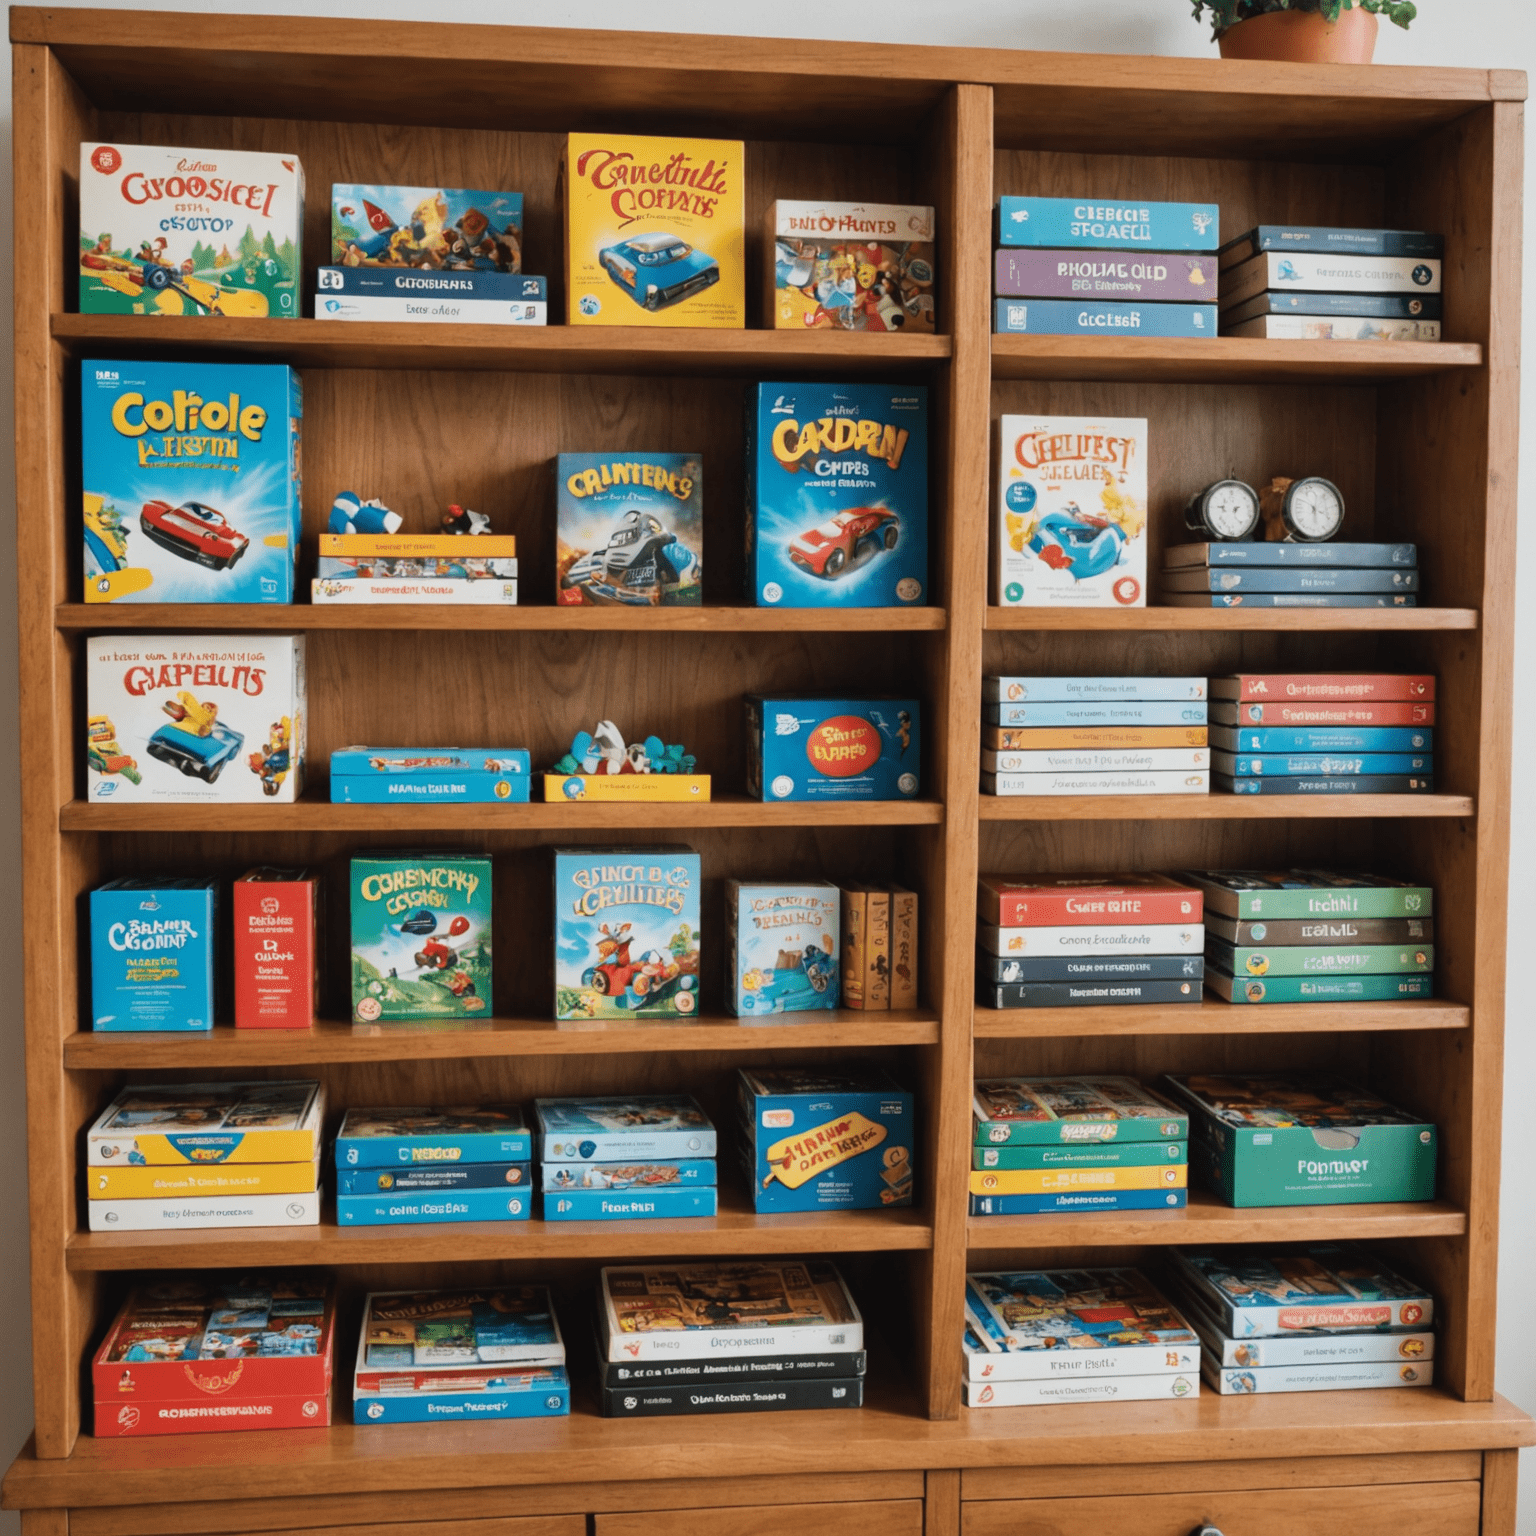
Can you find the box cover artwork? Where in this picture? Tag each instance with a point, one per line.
(190, 474)
(833, 749)
(445, 228)
(630, 529)
(783, 946)
(153, 954)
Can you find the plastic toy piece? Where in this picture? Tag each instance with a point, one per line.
(604, 751)
(459, 519)
(103, 752)
(351, 514)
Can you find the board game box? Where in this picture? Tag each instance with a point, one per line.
(411, 1137)
(1133, 1154)
(1071, 512)
(1093, 939)
(630, 528)
(195, 1353)
(1101, 317)
(276, 948)
(655, 231)
(1054, 1111)
(1107, 224)
(664, 1174)
(833, 749)
(1133, 1389)
(1309, 893)
(168, 231)
(167, 715)
(782, 947)
(837, 495)
(1016, 970)
(1086, 900)
(738, 1397)
(822, 1141)
(165, 1213)
(421, 936)
(626, 932)
(416, 1208)
(420, 1178)
(206, 1123)
(845, 1365)
(850, 266)
(153, 954)
(439, 228)
(417, 776)
(649, 1127)
(423, 297)
(148, 1182)
(1080, 1200)
(649, 1204)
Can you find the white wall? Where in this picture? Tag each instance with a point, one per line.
(1473, 33)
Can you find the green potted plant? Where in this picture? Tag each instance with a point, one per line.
(1302, 31)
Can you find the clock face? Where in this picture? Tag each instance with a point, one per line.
(1314, 509)
(1231, 510)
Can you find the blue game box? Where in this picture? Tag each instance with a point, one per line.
(430, 775)
(629, 1204)
(782, 938)
(1097, 317)
(437, 1178)
(1086, 223)
(410, 1137)
(833, 749)
(837, 495)
(413, 1209)
(190, 474)
(644, 1127)
(152, 954)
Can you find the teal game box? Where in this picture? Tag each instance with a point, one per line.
(833, 749)
(421, 936)
(782, 938)
(153, 954)
(190, 475)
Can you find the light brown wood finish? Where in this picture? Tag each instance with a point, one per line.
(941, 1504)
(546, 1525)
(1501, 1470)
(1226, 620)
(883, 1517)
(1209, 807)
(1212, 1016)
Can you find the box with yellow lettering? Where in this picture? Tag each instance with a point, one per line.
(817, 1141)
(654, 231)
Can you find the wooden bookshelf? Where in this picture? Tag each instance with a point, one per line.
(1407, 431)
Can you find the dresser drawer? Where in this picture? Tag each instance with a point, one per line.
(876, 1517)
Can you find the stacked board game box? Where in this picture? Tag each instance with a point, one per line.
(419, 1167)
(1329, 1317)
(192, 1353)
(357, 565)
(640, 1158)
(1065, 941)
(1094, 736)
(1275, 574)
(1316, 936)
(1258, 715)
(1302, 283)
(1269, 1139)
(1076, 1144)
(427, 1356)
(206, 1155)
(750, 1336)
(1074, 1336)
(430, 776)
(1069, 266)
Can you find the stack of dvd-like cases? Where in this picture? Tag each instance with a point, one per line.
(750, 1336)
(1260, 574)
(206, 1155)
(1071, 941)
(1324, 1318)
(1324, 733)
(1076, 1144)
(1316, 936)
(639, 1158)
(1074, 1336)
(425, 1356)
(418, 1167)
(462, 568)
(1094, 736)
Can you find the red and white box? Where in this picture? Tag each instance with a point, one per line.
(1089, 901)
(276, 948)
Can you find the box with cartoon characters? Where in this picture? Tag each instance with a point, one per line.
(850, 266)
(837, 495)
(783, 942)
(626, 932)
(833, 749)
(194, 718)
(190, 474)
(1071, 513)
(444, 229)
(654, 231)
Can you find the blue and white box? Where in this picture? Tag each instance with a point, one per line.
(1078, 690)
(694, 1172)
(642, 1127)
(1099, 317)
(1086, 223)
(431, 1207)
(629, 1204)
(412, 1137)
(538, 1394)
(1056, 715)
(1110, 1200)
(430, 776)
(837, 495)
(833, 749)
(429, 1178)
(441, 298)
(782, 939)
(153, 954)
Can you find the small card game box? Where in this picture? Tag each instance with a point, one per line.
(153, 954)
(194, 718)
(816, 1142)
(430, 776)
(439, 228)
(421, 936)
(276, 948)
(783, 943)
(190, 232)
(833, 749)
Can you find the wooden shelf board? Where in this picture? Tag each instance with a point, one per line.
(882, 1436)
(1225, 620)
(505, 349)
(569, 816)
(722, 619)
(338, 1041)
(1211, 1017)
(1206, 1220)
(1218, 807)
(1224, 359)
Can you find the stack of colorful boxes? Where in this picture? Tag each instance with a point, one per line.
(1261, 573)
(1089, 267)
(1094, 736)
(1071, 941)
(365, 559)
(1316, 936)
(418, 1167)
(1076, 1144)
(635, 1158)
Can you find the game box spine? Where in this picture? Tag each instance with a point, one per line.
(1055, 968)
(689, 1373)
(428, 1209)
(652, 1401)
(1242, 1381)
(112, 1419)
(1289, 600)
(1088, 994)
(1315, 901)
(1318, 989)
(384, 1182)
(448, 788)
(1326, 687)
(1093, 690)
(1384, 306)
(548, 1401)
(696, 1171)
(1080, 1200)
(1098, 317)
(1143, 1154)
(1319, 764)
(1186, 938)
(1116, 276)
(418, 283)
(1332, 328)
(1287, 271)
(1326, 241)
(742, 1341)
(1312, 960)
(218, 1181)
(1139, 1389)
(1264, 739)
(1193, 783)
(1318, 931)
(1263, 553)
(204, 1213)
(1349, 784)
(903, 980)
(1052, 1181)
(514, 1146)
(1089, 906)
(1083, 1365)
(1327, 580)
(1089, 715)
(446, 591)
(628, 1146)
(1092, 738)
(1074, 1133)
(629, 1204)
(1091, 223)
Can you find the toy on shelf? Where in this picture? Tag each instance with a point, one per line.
(351, 514)
(601, 765)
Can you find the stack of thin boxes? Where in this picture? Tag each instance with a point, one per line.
(879, 925)
(1260, 573)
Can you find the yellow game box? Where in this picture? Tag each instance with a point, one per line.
(653, 788)
(654, 231)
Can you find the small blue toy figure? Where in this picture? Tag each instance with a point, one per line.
(604, 751)
(351, 514)
(1084, 543)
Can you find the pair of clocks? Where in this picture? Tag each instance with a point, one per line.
(1309, 511)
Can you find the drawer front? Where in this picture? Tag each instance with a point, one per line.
(878, 1517)
(537, 1525)
(1422, 1509)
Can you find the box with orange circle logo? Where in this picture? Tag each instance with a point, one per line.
(833, 749)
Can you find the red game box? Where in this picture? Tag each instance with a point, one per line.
(276, 949)
(1061, 901)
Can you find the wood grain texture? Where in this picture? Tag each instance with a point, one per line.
(1216, 806)
(1213, 1016)
(1501, 1509)
(538, 1525)
(1220, 620)
(881, 1517)
(941, 1504)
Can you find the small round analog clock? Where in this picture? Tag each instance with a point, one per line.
(1307, 511)
(1226, 511)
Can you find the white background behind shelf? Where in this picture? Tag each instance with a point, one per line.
(1471, 33)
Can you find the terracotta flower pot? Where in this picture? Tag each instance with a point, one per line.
(1303, 37)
